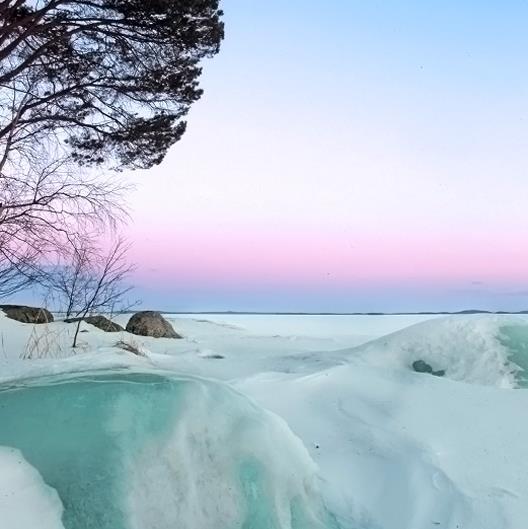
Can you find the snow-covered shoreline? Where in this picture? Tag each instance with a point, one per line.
(395, 449)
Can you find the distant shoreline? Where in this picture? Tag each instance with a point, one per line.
(423, 313)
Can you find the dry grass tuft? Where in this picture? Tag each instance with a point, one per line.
(131, 346)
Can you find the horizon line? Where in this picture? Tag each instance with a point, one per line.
(374, 313)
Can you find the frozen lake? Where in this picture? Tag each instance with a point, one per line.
(258, 421)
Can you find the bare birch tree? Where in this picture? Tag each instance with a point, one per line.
(46, 203)
(92, 281)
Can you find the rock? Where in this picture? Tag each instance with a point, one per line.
(101, 322)
(151, 323)
(422, 367)
(26, 314)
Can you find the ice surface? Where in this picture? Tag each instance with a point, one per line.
(514, 338)
(145, 450)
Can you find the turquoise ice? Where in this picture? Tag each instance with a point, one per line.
(131, 450)
(515, 339)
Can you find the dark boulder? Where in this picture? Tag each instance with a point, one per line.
(26, 314)
(151, 323)
(101, 322)
(420, 366)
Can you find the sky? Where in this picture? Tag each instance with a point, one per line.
(346, 156)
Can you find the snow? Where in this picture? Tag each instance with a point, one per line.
(26, 501)
(382, 446)
(406, 451)
(479, 350)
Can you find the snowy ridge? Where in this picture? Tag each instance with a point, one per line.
(483, 349)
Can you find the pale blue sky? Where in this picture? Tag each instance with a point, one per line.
(379, 125)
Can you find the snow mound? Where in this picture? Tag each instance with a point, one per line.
(130, 450)
(22, 486)
(484, 349)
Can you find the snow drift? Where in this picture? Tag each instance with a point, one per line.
(487, 350)
(130, 450)
(25, 500)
